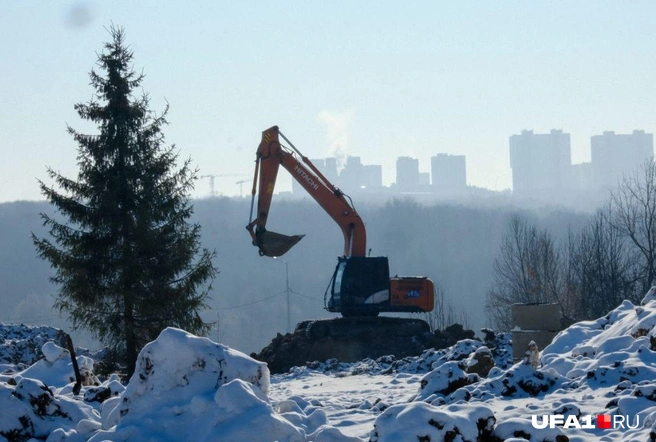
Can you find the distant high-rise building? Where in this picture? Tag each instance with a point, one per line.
(581, 177)
(372, 176)
(540, 162)
(330, 171)
(448, 172)
(616, 155)
(407, 173)
(350, 178)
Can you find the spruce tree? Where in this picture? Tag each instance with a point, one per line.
(127, 260)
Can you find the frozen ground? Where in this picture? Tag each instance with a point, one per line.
(190, 388)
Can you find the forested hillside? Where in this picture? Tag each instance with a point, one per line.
(453, 244)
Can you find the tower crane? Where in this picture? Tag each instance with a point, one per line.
(213, 176)
(241, 184)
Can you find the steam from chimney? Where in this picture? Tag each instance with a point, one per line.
(338, 124)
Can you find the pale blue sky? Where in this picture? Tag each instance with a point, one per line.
(375, 79)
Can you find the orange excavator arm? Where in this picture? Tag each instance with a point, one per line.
(270, 156)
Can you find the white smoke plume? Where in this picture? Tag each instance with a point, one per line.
(338, 124)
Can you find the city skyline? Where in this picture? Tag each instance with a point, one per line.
(338, 78)
(540, 162)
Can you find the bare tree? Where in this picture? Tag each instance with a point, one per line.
(634, 204)
(445, 313)
(603, 271)
(527, 270)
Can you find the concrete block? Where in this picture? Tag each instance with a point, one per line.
(536, 316)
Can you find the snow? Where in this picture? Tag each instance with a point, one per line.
(56, 369)
(419, 420)
(190, 388)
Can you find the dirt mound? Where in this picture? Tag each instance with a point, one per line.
(296, 349)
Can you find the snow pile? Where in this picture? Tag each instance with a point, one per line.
(609, 350)
(495, 351)
(184, 388)
(444, 380)
(100, 393)
(56, 369)
(521, 430)
(520, 381)
(20, 345)
(32, 410)
(424, 422)
(608, 363)
(311, 417)
(178, 389)
(637, 401)
(190, 388)
(431, 359)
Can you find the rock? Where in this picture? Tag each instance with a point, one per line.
(480, 362)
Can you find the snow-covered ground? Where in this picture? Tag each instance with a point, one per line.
(190, 388)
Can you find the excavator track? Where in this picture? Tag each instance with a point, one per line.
(362, 327)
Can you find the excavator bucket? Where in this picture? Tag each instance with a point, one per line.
(276, 244)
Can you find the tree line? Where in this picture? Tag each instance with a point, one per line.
(590, 272)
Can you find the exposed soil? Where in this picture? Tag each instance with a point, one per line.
(296, 349)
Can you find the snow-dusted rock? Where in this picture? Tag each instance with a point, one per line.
(32, 410)
(110, 388)
(480, 362)
(444, 380)
(521, 381)
(52, 352)
(21, 345)
(422, 421)
(522, 429)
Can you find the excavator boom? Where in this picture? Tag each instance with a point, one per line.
(270, 156)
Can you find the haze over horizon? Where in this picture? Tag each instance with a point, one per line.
(377, 81)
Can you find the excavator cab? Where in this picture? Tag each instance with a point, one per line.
(361, 286)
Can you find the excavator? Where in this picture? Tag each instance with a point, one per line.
(361, 286)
